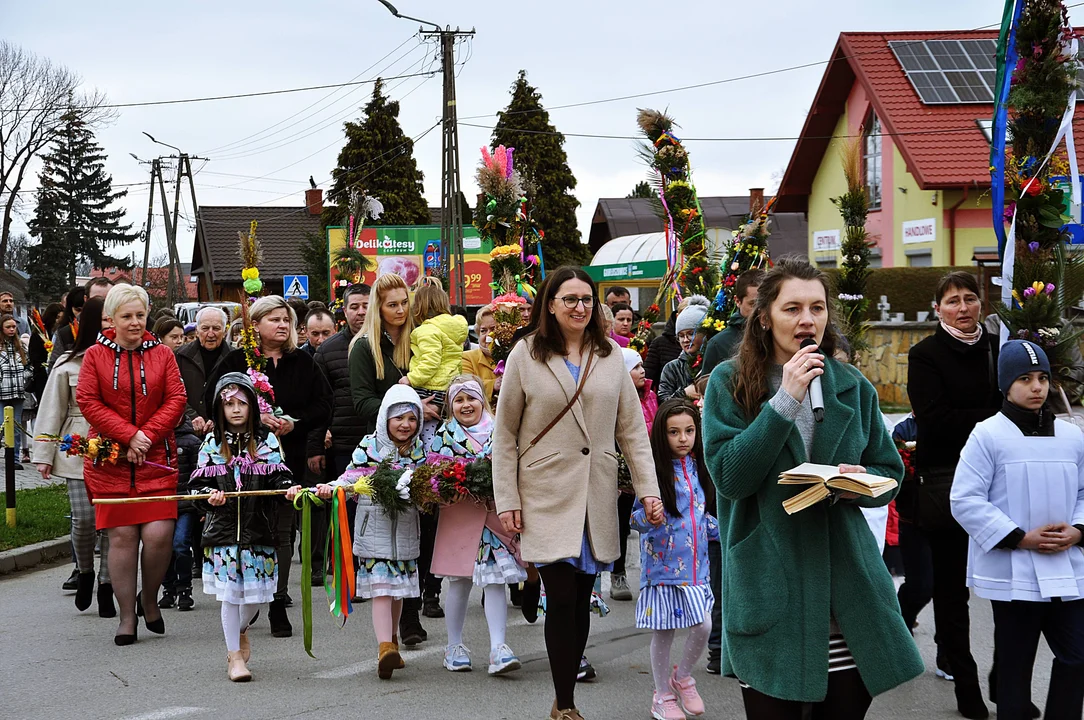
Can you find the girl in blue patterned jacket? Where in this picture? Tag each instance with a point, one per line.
(675, 589)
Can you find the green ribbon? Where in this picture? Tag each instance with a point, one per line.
(304, 502)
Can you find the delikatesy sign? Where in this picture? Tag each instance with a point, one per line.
(919, 231)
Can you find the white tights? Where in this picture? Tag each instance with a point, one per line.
(235, 620)
(455, 610)
(662, 640)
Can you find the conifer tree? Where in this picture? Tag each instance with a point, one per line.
(541, 159)
(48, 276)
(74, 220)
(378, 160)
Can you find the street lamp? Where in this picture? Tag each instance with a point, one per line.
(395, 12)
(159, 142)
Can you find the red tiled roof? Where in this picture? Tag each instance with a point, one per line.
(937, 159)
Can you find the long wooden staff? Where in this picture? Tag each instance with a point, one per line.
(164, 498)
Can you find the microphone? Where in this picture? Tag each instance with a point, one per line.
(816, 394)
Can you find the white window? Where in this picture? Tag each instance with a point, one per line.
(871, 160)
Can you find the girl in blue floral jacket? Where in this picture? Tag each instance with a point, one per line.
(675, 587)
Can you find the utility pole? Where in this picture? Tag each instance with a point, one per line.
(184, 170)
(451, 216)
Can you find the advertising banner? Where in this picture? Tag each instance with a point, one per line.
(412, 251)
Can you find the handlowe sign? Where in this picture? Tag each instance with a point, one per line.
(919, 231)
(410, 250)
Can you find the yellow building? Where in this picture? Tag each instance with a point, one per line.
(920, 103)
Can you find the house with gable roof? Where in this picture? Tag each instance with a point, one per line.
(922, 103)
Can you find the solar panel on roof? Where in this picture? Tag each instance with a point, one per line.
(948, 71)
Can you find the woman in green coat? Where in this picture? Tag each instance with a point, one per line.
(809, 609)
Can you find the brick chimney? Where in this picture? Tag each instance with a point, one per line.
(756, 200)
(314, 201)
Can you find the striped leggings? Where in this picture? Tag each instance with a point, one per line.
(84, 532)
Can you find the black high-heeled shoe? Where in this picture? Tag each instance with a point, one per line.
(123, 640)
(106, 608)
(158, 627)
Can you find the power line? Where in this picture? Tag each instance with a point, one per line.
(947, 131)
(291, 117)
(236, 96)
(711, 83)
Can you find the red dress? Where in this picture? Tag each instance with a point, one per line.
(121, 392)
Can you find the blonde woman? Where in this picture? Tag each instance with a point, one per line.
(303, 395)
(130, 391)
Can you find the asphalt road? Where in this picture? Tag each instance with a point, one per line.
(57, 663)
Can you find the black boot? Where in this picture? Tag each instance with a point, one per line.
(431, 606)
(72, 583)
(168, 599)
(969, 702)
(84, 590)
(278, 620)
(184, 599)
(410, 625)
(106, 608)
(1034, 710)
(529, 602)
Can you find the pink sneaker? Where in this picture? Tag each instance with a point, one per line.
(665, 707)
(686, 691)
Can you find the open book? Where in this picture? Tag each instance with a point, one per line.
(824, 479)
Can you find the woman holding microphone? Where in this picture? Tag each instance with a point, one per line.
(809, 609)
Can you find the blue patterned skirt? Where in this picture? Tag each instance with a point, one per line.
(241, 574)
(388, 578)
(672, 607)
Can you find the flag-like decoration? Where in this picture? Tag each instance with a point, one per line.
(1035, 178)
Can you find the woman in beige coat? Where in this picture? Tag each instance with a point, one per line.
(555, 471)
(59, 415)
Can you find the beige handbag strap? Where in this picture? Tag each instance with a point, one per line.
(575, 397)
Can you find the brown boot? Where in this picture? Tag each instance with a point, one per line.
(388, 660)
(570, 714)
(246, 648)
(236, 669)
(395, 642)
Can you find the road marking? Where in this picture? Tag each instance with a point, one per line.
(367, 666)
(167, 713)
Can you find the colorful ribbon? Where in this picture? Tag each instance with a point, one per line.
(341, 584)
(304, 502)
(1006, 61)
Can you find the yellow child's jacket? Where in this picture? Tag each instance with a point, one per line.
(436, 351)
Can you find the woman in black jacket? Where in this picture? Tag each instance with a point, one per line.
(303, 395)
(952, 384)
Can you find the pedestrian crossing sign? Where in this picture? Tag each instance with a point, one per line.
(296, 286)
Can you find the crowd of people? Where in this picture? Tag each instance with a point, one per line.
(800, 608)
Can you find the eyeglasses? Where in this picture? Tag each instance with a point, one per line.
(571, 301)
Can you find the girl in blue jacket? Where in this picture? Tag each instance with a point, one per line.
(675, 587)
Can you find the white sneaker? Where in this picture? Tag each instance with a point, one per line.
(457, 658)
(502, 660)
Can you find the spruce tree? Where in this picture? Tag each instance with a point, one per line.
(46, 266)
(378, 160)
(74, 219)
(642, 191)
(540, 157)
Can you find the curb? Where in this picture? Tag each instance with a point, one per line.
(28, 556)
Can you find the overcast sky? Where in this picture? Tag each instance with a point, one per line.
(263, 150)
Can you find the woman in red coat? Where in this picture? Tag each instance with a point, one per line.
(130, 391)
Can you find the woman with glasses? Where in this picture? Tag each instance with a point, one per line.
(564, 402)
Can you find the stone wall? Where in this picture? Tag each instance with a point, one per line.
(885, 364)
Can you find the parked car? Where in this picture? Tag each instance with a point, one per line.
(186, 312)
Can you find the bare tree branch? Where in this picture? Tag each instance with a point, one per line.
(34, 95)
